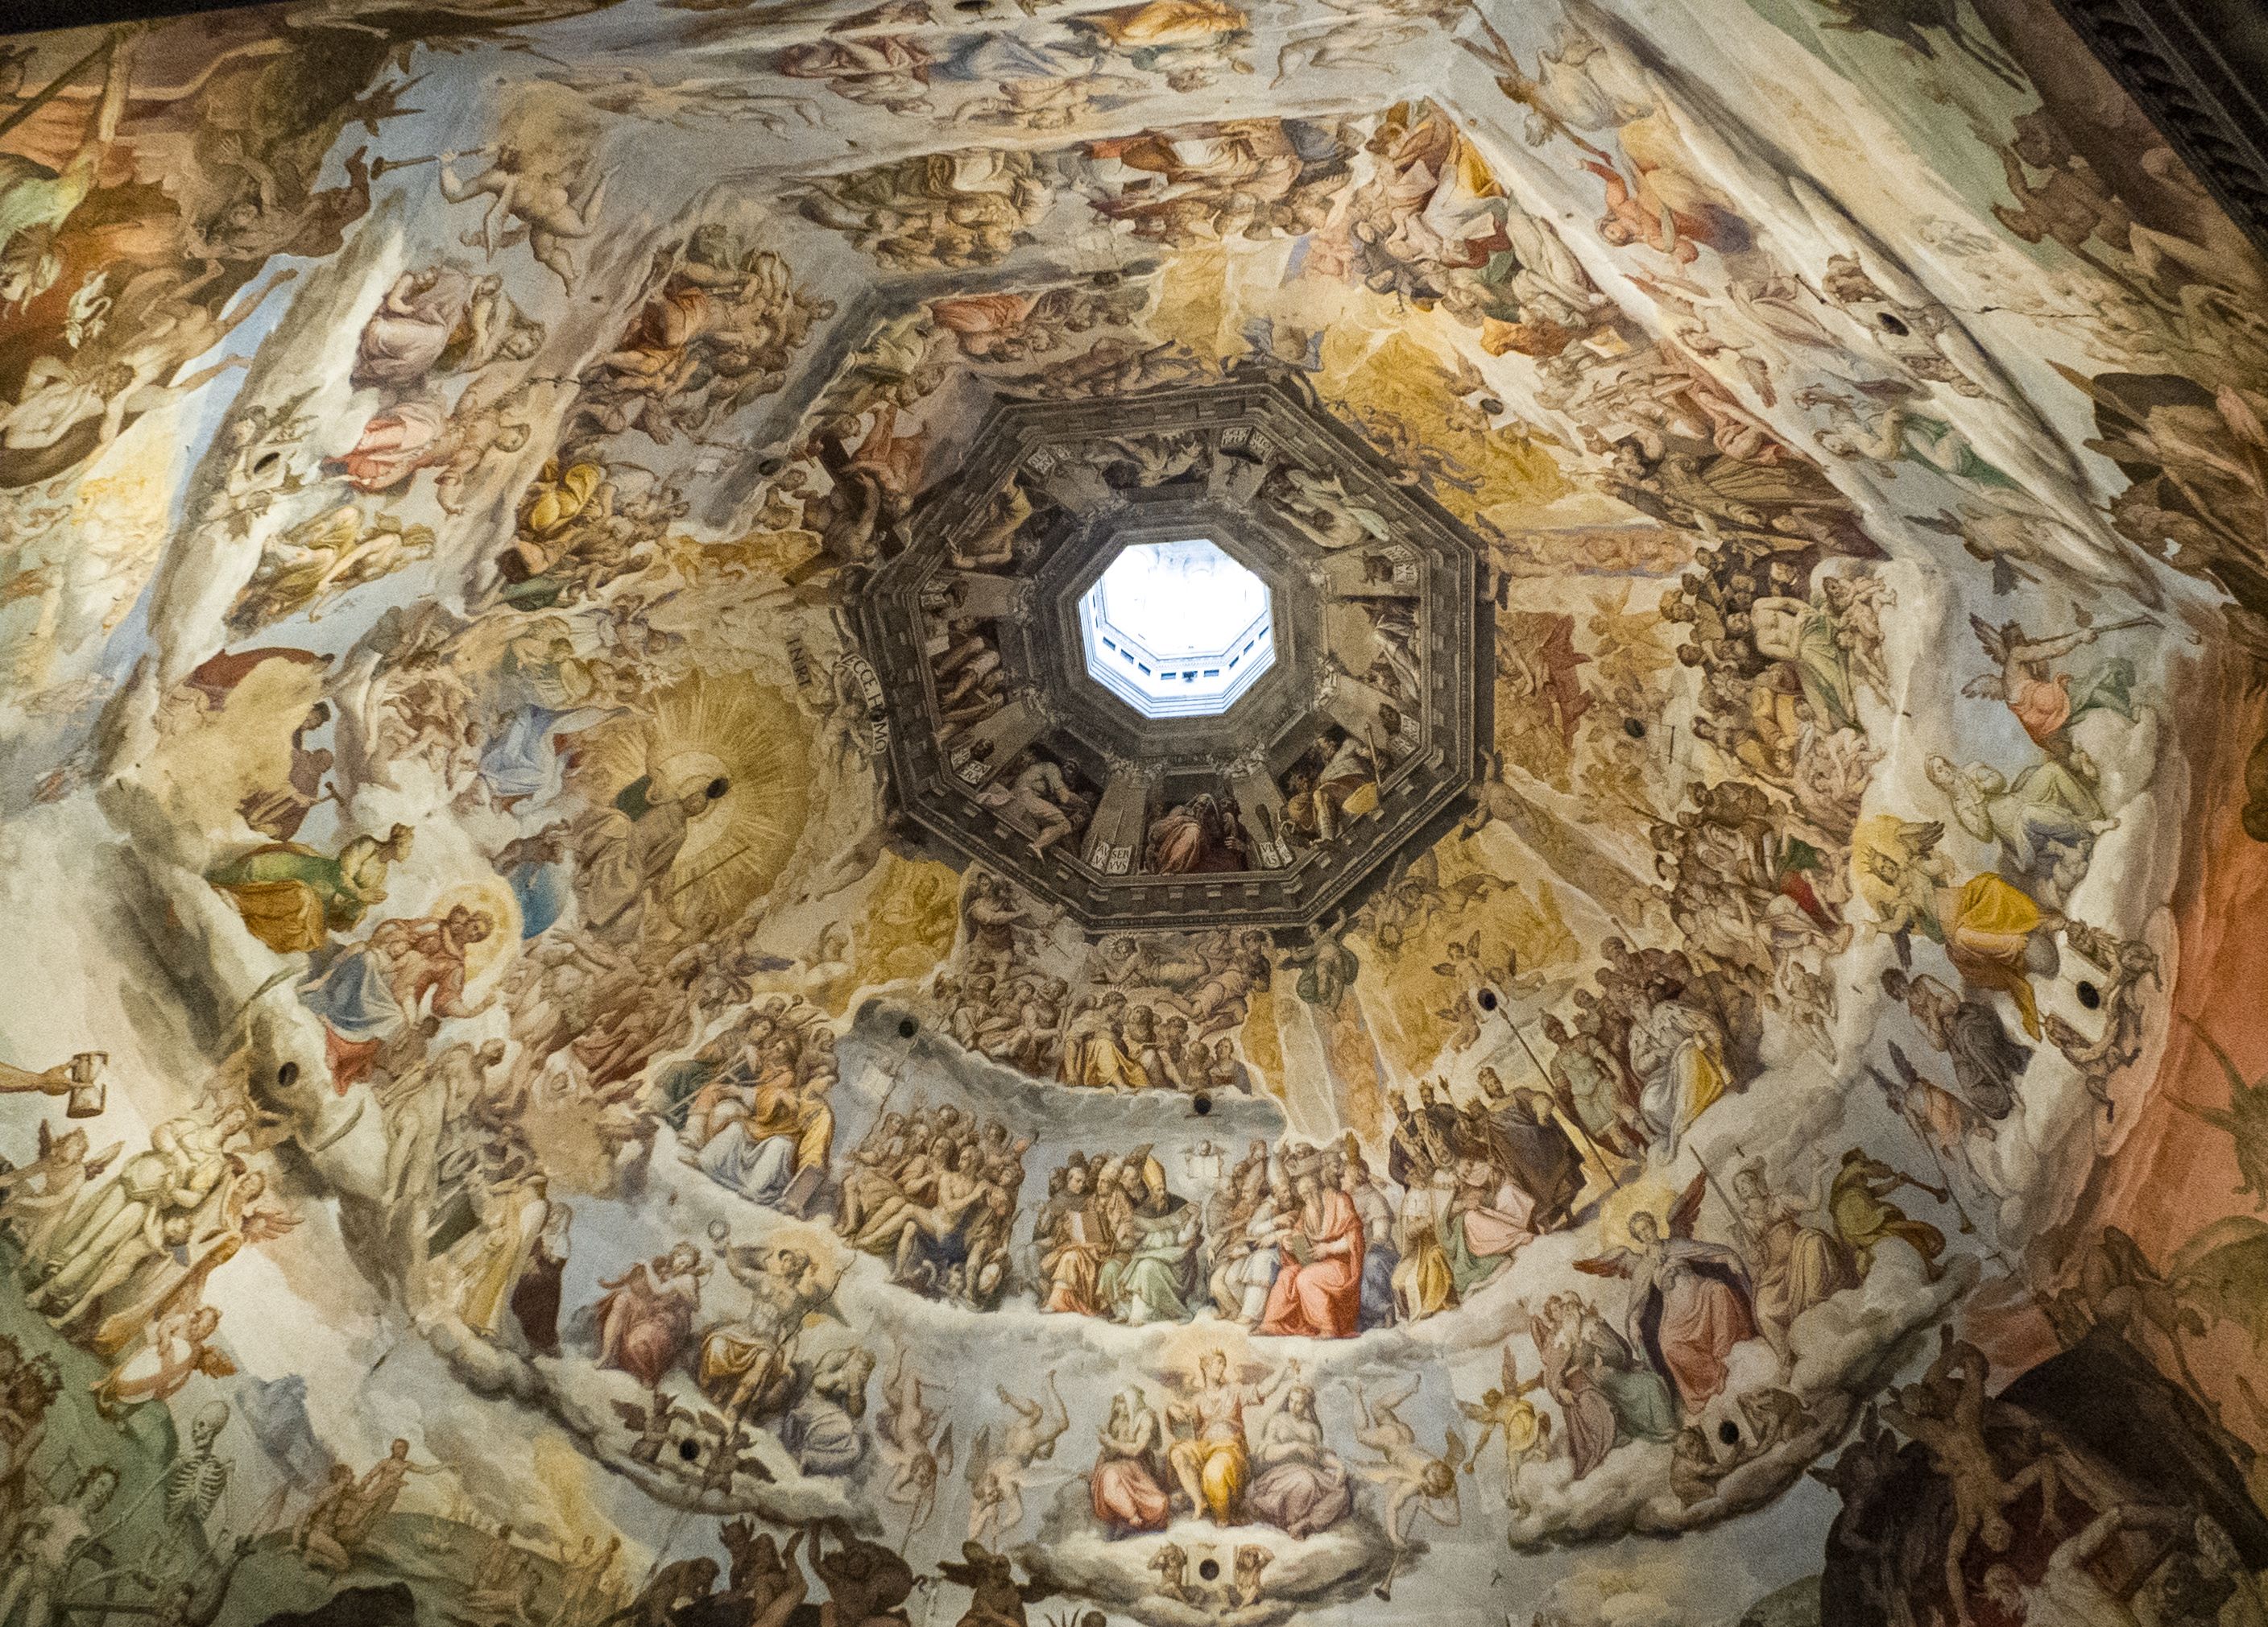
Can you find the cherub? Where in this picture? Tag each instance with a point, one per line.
(1526, 1430)
(1171, 1562)
(1410, 1474)
(1481, 988)
(2129, 961)
(1251, 1560)
(917, 1457)
(551, 215)
(996, 1478)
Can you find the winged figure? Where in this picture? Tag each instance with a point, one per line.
(918, 1451)
(997, 1477)
(1506, 1410)
(653, 1423)
(2245, 1120)
(1690, 1302)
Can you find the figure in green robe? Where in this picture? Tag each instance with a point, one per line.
(292, 897)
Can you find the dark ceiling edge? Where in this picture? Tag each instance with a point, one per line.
(2198, 69)
(23, 16)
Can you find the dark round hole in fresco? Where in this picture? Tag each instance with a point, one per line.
(1729, 1433)
(2089, 995)
(1208, 1569)
(288, 1075)
(1892, 325)
(1488, 999)
(1203, 1105)
(907, 1027)
(686, 1450)
(266, 461)
(1635, 727)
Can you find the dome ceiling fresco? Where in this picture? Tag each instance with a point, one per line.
(610, 1021)
(1352, 728)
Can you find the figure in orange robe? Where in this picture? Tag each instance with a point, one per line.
(1318, 1292)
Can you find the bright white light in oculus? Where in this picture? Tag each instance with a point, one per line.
(1177, 629)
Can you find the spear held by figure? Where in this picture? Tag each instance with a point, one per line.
(1574, 1123)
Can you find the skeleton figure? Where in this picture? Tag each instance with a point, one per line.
(194, 1483)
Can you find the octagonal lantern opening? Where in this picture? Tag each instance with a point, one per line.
(1177, 629)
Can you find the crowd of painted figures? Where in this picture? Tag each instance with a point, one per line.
(1146, 1022)
(1308, 1240)
(115, 1248)
(935, 1193)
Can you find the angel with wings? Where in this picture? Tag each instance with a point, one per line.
(918, 1452)
(1479, 988)
(2042, 698)
(1483, 989)
(1506, 1410)
(997, 1477)
(1417, 1481)
(177, 1348)
(1690, 1302)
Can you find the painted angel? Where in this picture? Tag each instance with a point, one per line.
(996, 1475)
(1690, 1302)
(176, 1349)
(653, 1423)
(2041, 697)
(918, 1452)
(1506, 1410)
(1417, 1481)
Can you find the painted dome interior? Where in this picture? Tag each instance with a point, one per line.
(1199, 812)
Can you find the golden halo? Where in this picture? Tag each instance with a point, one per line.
(1877, 833)
(493, 899)
(1648, 1193)
(713, 726)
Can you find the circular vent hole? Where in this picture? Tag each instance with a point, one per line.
(686, 1450)
(2089, 995)
(1210, 1569)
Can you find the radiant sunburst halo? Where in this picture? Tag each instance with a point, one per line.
(713, 726)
